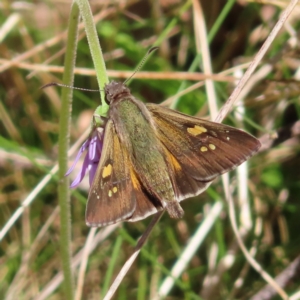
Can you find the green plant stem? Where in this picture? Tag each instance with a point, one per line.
(64, 125)
(95, 48)
(66, 109)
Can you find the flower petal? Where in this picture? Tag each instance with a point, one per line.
(94, 155)
(83, 170)
(92, 171)
(84, 146)
(93, 149)
(91, 161)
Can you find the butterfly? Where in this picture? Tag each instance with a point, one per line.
(154, 157)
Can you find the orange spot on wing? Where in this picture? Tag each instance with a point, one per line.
(107, 171)
(196, 130)
(174, 162)
(134, 179)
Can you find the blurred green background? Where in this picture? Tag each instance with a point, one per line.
(32, 44)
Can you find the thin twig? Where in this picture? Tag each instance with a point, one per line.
(84, 260)
(258, 57)
(29, 199)
(223, 112)
(190, 249)
(58, 278)
(132, 258)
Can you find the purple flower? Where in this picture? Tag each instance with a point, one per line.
(93, 145)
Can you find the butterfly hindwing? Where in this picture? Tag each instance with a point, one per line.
(184, 185)
(202, 148)
(146, 204)
(111, 197)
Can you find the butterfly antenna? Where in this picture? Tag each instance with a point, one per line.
(67, 86)
(141, 63)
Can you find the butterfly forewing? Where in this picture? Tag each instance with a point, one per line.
(111, 197)
(203, 149)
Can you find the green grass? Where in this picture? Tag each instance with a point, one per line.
(30, 255)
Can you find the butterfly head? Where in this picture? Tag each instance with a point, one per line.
(115, 91)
